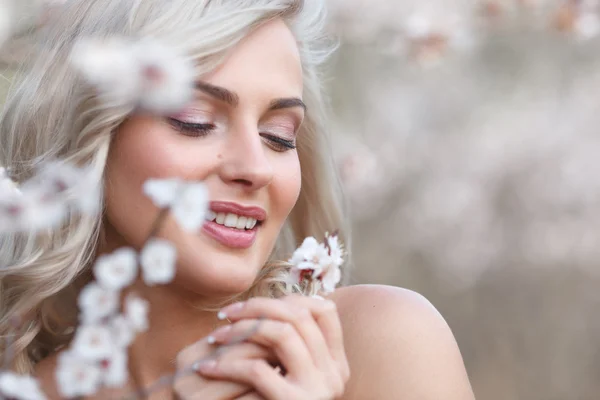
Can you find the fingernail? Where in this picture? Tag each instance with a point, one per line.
(206, 365)
(218, 334)
(230, 310)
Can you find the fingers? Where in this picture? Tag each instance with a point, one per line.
(191, 386)
(301, 316)
(256, 373)
(299, 310)
(282, 337)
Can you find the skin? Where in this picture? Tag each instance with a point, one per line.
(364, 342)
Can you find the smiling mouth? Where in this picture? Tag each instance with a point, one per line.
(233, 225)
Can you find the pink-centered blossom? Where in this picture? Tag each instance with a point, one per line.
(93, 342)
(75, 376)
(117, 270)
(97, 302)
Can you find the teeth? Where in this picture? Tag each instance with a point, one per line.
(241, 223)
(232, 220)
(211, 215)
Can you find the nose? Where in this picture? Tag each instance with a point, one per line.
(245, 161)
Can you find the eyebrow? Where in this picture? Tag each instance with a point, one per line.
(231, 98)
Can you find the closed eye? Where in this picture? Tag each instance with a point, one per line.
(277, 143)
(191, 129)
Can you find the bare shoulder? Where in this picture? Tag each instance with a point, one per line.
(399, 346)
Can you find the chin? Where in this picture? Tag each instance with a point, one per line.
(221, 279)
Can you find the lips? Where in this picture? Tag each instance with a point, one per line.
(232, 236)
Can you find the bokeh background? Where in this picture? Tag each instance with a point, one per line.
(467, 136)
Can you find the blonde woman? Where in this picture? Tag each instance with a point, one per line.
(255, 134)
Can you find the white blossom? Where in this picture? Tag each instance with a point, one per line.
(162, 192)
(75, 376)
(587, 25)
(7, 185)
(157, 259)
(116, 270)
(20, 387)
(136, 312)
(93, 342)
(318, 261)
(311, 256)
(146, 74)
(110, 66)
(167, 78)
(191, 206)
(123, 330)
(114, 369)
(188, 201)
(32, 210)
(97, 302)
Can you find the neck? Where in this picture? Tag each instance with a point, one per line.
(177, 320)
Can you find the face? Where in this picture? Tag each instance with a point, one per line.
(238, 136)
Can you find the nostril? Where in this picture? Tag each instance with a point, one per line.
(244, 182)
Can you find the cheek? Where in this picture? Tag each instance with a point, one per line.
(286, 185)
(142, 149)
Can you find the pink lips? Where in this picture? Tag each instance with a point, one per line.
(232, 237)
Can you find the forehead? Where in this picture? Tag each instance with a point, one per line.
(268, 59)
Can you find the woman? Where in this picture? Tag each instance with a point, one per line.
(254, 133)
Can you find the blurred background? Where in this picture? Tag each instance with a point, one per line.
(466, 133)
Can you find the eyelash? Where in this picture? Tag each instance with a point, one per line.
(199, 130)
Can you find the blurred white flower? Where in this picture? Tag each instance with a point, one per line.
(136, 312)
(587, 25)
(167, 78)
(162, 192)
(97, 302)
(110, 66)
(32, 210)
(19, 387)
(158, 258)
(93, 342)
(188, 200)
(191, 206)
(116, 270)
(122, 331)
(146, 74)
(7, 185)
(75, 377)
(114, 368)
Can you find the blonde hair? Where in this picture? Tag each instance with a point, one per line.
(51, 114)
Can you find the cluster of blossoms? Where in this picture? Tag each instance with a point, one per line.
(318, 262)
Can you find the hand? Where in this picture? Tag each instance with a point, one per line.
(306, 336)
(192, 386)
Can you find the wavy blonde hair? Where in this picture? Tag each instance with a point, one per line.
(50, 113)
